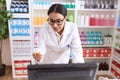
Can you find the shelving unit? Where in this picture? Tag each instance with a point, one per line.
(20, 30)
(115, 61)
(96, 27)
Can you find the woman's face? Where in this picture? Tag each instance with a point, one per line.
(57, 21)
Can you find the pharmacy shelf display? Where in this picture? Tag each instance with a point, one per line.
(96, 21)
(115, 60)
(20, 37)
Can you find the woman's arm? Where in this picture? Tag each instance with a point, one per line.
(76, 48)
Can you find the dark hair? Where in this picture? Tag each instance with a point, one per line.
(58, 8)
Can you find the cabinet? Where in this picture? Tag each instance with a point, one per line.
(20, 37)
(96, 21)
(115, 60)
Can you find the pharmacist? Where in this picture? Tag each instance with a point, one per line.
(58, 39)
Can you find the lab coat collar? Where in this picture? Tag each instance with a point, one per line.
(65, 31)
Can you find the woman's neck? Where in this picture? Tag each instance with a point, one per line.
(60, 33)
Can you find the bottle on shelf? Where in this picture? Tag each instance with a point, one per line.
(92, 20)
(111, 4)
(87, 4)
(36, 39)
(82, 20)
(97, 20)
(107, 20)
(102, 20)
(102, 4)
(106, 4)
(98, 4)
(112, 20)
(87, 20)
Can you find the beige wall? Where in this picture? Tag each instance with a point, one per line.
(6, 54)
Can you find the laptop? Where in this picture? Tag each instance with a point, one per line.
(74, 71)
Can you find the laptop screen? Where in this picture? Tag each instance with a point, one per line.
(74, 71)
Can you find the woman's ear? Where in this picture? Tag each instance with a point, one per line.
(66, 18)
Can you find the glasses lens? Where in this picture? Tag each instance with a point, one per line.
(58, 21)
(51, 21)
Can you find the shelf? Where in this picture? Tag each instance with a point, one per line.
(116, 68)
(21, 37)
(104, 10)
(116, 48)
(111, 27)
(96, 57)
(102, 72)
(118, 28)
(18, 15)
(113, 76)
(21, 76)
(116, 59)
(85, 46)
(47, 9)
(39, 8)
(20, 55)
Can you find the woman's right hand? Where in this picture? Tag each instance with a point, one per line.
(37, 56)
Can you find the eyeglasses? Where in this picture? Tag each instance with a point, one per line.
(58, 21)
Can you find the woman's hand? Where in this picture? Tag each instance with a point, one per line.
(37, 56)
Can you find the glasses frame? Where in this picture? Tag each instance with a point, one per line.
(55, 21)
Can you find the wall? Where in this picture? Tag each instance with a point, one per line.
(6, 54)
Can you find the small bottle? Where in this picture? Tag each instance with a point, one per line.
(92, 20)
(115, 4)
(97, 20)
(87, 20)
(107, 20)
(106, 4)
(102, 4)
(82, 20)
(98, 4)
(112, 20)
(87, 4)
(36, 39)
(111, 4)
(95, 4)
(102, 20)
(12, 9)
(92, 4)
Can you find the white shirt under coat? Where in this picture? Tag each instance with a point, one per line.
(58, 51)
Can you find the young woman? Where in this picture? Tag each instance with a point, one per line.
(58, 39)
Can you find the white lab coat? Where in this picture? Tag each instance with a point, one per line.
(54, 53)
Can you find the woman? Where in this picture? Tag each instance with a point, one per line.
(58, 39)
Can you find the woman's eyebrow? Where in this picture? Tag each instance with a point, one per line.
(55, 19)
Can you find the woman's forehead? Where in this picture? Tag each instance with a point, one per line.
(55, 15)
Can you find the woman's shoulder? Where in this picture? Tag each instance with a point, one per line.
(71, 25)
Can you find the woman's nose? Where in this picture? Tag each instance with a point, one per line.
(54, 25)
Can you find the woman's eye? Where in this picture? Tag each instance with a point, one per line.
(59, 21)
(52, 21)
